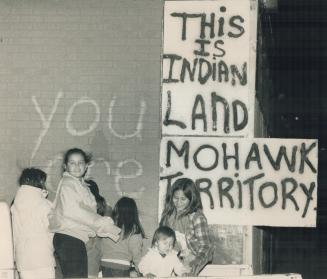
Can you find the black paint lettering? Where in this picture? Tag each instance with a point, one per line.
(204, 74)
(167, 121)
(172, 58)
(169, 179)
(202, 44)
(187, 66)
(260, 194)
(222, 51)
(305, 159)
(202, 115)
(308, 194)
(185, 149)
(196, 153)
(240, 192)
(221, 22)
(206, 189)
(222, 71)
(210, 25)
(239, 28)
(281, 154)
(289, 195)
(242, 78)
(224, 191)
(214, 70)
(214, 100)
(239, 126)
(250, 181)
(228, 157)
(184, 17)
(254, 155)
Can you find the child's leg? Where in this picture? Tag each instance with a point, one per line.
(72, 255)
(93, 257)
(111, 272)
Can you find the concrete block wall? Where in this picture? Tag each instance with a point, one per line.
(85, 74)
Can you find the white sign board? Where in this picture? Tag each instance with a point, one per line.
(205, 68)
(271, 182)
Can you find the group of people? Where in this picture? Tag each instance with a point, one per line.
(82, 235)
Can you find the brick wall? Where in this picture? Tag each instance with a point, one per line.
(86, 74)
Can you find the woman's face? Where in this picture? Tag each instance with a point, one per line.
(76, 165)
(180, 201)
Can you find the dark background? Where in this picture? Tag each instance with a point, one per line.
(294, 100)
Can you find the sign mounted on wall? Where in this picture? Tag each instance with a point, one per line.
(205, 68)
(207, 110)
(269, 182)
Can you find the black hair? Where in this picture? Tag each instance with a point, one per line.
(33, 177)
(126, 217)
(100, 200)
(87, 157)
(190, 191)
(163, 231)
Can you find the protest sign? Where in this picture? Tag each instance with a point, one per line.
(205, 68)
(269, 182)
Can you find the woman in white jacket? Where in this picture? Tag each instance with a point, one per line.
(74, 217)
(32, 239)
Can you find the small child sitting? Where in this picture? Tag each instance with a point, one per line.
(161, 260)
(32, 239)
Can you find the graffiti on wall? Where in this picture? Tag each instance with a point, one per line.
(95, 112)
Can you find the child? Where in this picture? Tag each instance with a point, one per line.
(93, 248)
(74, 217)
(32, 239)
(161, 260)
(117, 257)
(183, 213)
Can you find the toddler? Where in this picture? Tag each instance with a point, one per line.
(161, 260)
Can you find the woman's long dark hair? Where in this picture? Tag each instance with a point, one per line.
(190, 191)
(126, 217)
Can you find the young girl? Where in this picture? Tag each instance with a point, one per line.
(183, 213)
(32, 239)
(117, 257)
(93, 248)
(161, 260)
(74, 217)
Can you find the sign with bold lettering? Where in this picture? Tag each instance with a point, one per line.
(246, 181)
(205, 68)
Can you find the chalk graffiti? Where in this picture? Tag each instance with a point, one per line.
(57, 159)
(45, 122)
(139, 125)
(72, 130)
(119, 176)
(69, 125)
(100, 160)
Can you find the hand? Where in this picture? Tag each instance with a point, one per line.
(187, 271)
(133, 274)
(189, 259)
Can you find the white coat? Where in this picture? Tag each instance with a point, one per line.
(32, 239)
(74, 212)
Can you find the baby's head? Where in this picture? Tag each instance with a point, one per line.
(164, 239)
(33, 177)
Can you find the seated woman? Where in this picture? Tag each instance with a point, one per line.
(183, 213)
